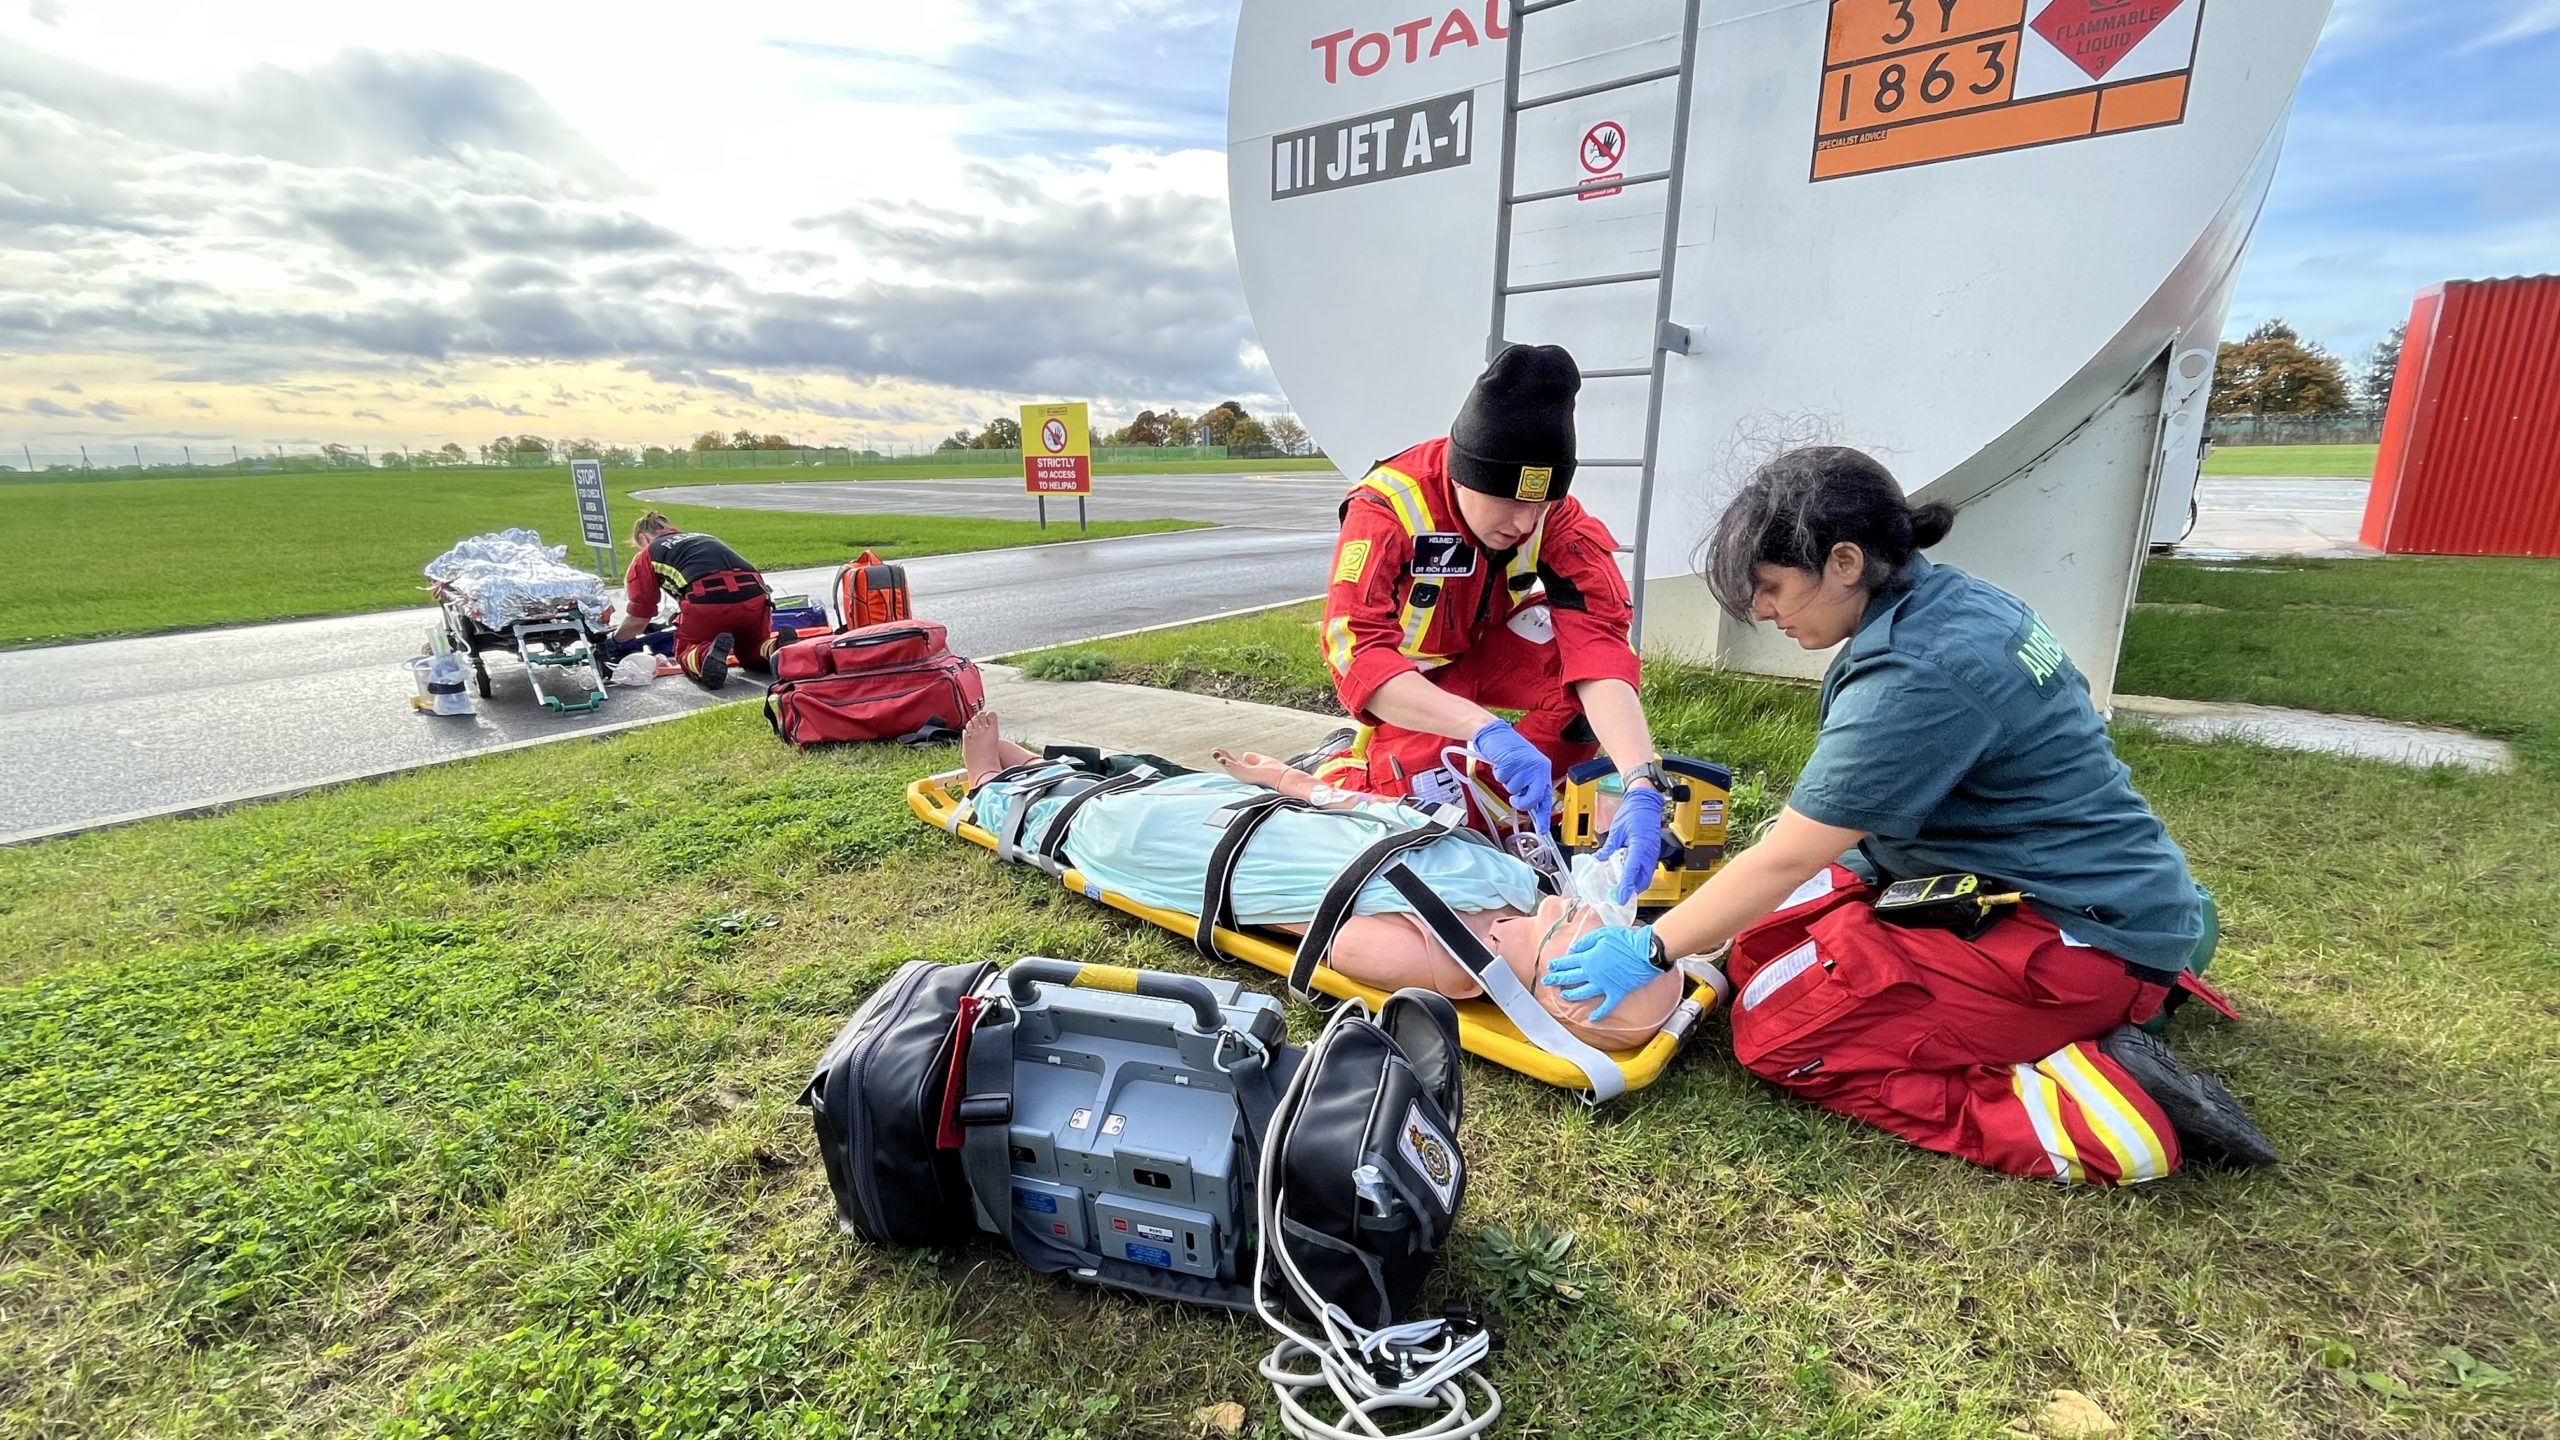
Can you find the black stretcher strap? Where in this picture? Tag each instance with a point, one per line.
(1053, 841)
(1025, 795)
(1463, 944)
(1217, 893)
(1339, 897)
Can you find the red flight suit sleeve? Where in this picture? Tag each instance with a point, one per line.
(1588, 600)
(1362, 628)
(640, 587)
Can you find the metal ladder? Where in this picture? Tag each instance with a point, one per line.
(1668, 339)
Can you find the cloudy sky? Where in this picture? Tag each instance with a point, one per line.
(852, 220)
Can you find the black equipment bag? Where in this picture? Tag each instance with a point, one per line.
(1385, 1101)
(877, 1101)
(1386, 1097)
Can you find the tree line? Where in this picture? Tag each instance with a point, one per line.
(1227, 423)
(2274, 371)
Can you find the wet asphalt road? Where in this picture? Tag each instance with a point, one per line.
(1287, 501)
(121, 728)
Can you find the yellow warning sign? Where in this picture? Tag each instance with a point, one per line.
(1915, 82)
(1057, 450)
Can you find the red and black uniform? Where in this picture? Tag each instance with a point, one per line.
(1983, 1048)
(1412, 590)
(717, 593)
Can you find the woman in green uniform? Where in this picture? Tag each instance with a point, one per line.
(1994, 1015)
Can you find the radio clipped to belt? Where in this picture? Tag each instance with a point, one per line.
(1965, 904)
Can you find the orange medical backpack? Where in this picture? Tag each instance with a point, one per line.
(871, 591)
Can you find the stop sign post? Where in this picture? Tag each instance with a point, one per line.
(1057, 456)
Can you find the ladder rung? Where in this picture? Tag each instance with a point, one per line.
(1603, 183)
(1612, 464)
(1603, 88)
(1534, 6)
(1639, 372)
(1627, 279)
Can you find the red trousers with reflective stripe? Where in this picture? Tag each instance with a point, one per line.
(1504, 670)
(750, 622)
(1981, 1049)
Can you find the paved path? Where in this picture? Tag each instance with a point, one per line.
(121, 728)
(1304, 500)
(2312, 517)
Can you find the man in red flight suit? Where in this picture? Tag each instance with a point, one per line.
(1465, 579)
(724, 614)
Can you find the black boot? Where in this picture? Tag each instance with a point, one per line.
(715, 662)
(2210, 1124)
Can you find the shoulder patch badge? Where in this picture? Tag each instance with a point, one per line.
(1534, 480)
(1354, 563)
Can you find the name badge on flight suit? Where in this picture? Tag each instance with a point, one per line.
(1442, 556)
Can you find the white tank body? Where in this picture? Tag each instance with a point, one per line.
(1976, 238)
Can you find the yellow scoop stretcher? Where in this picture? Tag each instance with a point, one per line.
(1482, 1027)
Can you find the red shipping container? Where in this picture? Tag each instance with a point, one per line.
(2470, 461)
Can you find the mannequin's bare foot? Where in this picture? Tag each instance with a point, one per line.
(979, 742)
(984, 750)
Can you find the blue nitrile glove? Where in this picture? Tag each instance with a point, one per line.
(1615, 962)
(1527, 776)
(1636, 829)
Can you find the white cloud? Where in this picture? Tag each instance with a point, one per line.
(299, 188)
(2531, 18)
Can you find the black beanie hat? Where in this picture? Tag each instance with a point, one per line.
(1514, 436)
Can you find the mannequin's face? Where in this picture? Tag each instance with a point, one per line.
(1537, 939)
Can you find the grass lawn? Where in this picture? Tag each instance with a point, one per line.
(460, 1104)
(2292, 460)
(2437, 640)
(141, 555)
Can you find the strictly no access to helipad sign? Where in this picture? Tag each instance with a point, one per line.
(1914, 82)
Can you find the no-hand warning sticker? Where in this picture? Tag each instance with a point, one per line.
(1603, 145)
(1916, 82)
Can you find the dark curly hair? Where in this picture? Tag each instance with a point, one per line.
(1795, 508)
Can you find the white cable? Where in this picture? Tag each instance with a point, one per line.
(1439, 1361)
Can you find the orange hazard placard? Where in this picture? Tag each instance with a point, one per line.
(1915, 82)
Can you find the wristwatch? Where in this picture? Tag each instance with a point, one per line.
(1661, 958)
(1651, 771)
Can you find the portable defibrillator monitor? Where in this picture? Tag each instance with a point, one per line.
(1123, 1136)
(1694, 814)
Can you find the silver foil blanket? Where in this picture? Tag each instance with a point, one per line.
(511, 575)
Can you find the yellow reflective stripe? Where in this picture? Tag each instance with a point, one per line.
(1404, 493)
(1417, 619)
(1337, 644)
(2137, 1149)
(2043, 1105)
(1421, 499)
(1399, 499)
